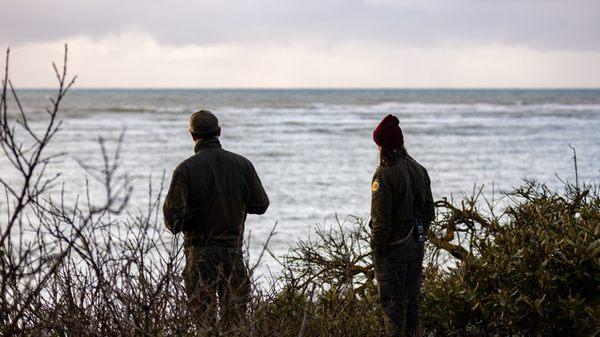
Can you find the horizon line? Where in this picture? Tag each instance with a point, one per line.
(314, 88)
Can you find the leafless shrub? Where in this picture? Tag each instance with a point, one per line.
(85, 267)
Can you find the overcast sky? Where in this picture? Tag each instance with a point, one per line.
(306, 43)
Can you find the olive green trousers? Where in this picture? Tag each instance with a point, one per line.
(398, 273)
(217, 286)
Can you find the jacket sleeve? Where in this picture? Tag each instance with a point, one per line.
(429, 208)
(381, 212)
(259, 201)
(174, 208)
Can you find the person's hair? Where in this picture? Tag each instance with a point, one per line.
(388, 156)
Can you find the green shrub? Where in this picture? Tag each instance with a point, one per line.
(535, 274)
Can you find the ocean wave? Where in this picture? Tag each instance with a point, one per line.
(132, 108)
(367, 108)
(419, 107)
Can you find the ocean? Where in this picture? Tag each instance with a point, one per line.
(313, 149)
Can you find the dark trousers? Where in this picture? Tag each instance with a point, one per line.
(217, 285)
(398, 273)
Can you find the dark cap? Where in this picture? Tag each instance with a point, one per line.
(204, 123)
(388, 133)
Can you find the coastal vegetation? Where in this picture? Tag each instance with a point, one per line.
(524, 264)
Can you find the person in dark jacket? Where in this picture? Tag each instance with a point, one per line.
(401, 211)
(209, 197)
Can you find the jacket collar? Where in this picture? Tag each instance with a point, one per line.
(207, 144)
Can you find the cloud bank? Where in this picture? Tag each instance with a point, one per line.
(325, 43)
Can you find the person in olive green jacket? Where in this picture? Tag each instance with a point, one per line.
(401, 211)
(209, 197)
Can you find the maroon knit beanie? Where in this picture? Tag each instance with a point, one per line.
(388, 133)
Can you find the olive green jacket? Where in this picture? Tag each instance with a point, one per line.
(400, 193)
(210, 194)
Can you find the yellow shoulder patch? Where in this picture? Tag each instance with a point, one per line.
(375, 186)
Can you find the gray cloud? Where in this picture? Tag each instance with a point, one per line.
(551, 24)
